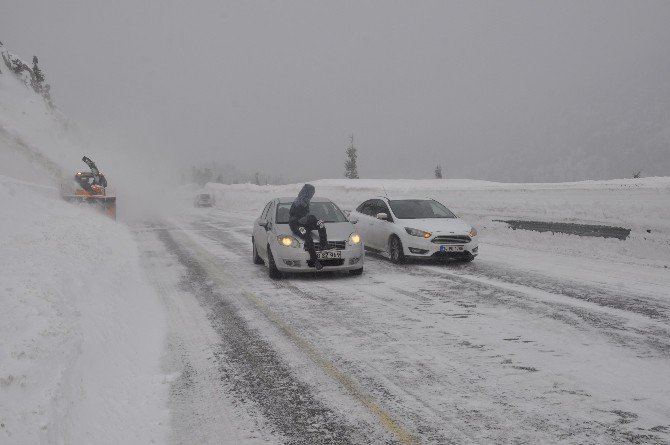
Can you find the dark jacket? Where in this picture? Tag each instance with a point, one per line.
(300, 206)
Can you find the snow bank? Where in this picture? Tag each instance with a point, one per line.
(642, 205)
(81, 331)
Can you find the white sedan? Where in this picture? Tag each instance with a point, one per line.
(282, 251)
(420, 228)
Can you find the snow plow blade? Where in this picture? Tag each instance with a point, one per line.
(105, 204)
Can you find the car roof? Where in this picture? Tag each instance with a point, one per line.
(286, 200)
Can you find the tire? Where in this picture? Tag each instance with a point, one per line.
(257, 258)
(356, 272)
(467, 259)
(273, 272)
(396, 251)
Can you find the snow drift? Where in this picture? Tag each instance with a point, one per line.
(81, 331)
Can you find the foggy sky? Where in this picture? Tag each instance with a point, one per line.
(277, 87)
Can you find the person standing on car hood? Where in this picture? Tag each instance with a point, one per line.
(302, 223)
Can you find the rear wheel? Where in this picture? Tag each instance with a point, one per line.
(396, 251)
(257, 258)
(356, 271)
(273, 272)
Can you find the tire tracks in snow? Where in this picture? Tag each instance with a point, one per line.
(256, 370)
(490, 293)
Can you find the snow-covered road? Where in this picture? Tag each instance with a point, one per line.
(518, 346)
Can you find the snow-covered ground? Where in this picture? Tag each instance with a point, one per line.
(81, 330)
(544, 338)
(166, 332)
(641, 205)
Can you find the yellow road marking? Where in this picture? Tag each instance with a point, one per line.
(391, 425)
(329, 368)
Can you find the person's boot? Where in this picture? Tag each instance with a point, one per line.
(318, 265)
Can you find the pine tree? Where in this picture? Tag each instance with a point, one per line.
(438, 172)
(37, 81)
(350, 167)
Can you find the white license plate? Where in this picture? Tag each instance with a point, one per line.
(452, 248)
(329, 255)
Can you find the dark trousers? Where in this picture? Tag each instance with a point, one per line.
(309, 223)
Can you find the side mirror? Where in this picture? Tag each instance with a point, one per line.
(383, 216)
(263, 223)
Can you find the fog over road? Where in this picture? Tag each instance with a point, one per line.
(488, 351)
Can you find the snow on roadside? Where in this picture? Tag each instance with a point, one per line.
(642, 205)
(81, 330)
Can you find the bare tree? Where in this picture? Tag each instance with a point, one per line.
(637, 173)
(438, 172)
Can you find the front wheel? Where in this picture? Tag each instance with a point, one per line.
(396, 251)
(273, 272)
(257, 257)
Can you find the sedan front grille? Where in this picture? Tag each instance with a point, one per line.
(451, 239)
(327, 263)
(332, 245)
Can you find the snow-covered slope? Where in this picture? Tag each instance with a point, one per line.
(37, 143)
(81, 331)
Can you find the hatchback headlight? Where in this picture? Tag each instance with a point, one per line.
(417, 232)
(473, 232)
(288, 241)
(354, 238)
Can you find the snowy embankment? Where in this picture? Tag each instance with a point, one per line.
(642, 205)
(81, 332)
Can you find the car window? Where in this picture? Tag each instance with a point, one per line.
(366, 207)
(378, 207)
(264, 214)
(419, 208)
(327, 212)
(383, 208)
(283, 210)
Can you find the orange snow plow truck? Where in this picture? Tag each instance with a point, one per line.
(91, 188)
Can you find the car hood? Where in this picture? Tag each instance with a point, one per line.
(443, 226)
(335, 231)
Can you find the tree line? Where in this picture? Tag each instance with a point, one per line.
(33, 76)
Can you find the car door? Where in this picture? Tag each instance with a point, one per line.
(383, 228)
(269, 217)
(378, 227)
(260, 233)
(363, 226)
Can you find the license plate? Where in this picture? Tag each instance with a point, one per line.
(452, 248)
(329, 255)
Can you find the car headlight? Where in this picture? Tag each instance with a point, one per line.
(288, 241)
(473, 232)
(417, 232)
(354, 238)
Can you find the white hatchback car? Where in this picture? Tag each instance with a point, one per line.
(275, 245)
(420, 228)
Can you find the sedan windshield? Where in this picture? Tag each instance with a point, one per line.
(327, 212)
(419, 209)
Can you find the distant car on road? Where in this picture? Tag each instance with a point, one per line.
(419, 228)
(275, 245)
(203, 200)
